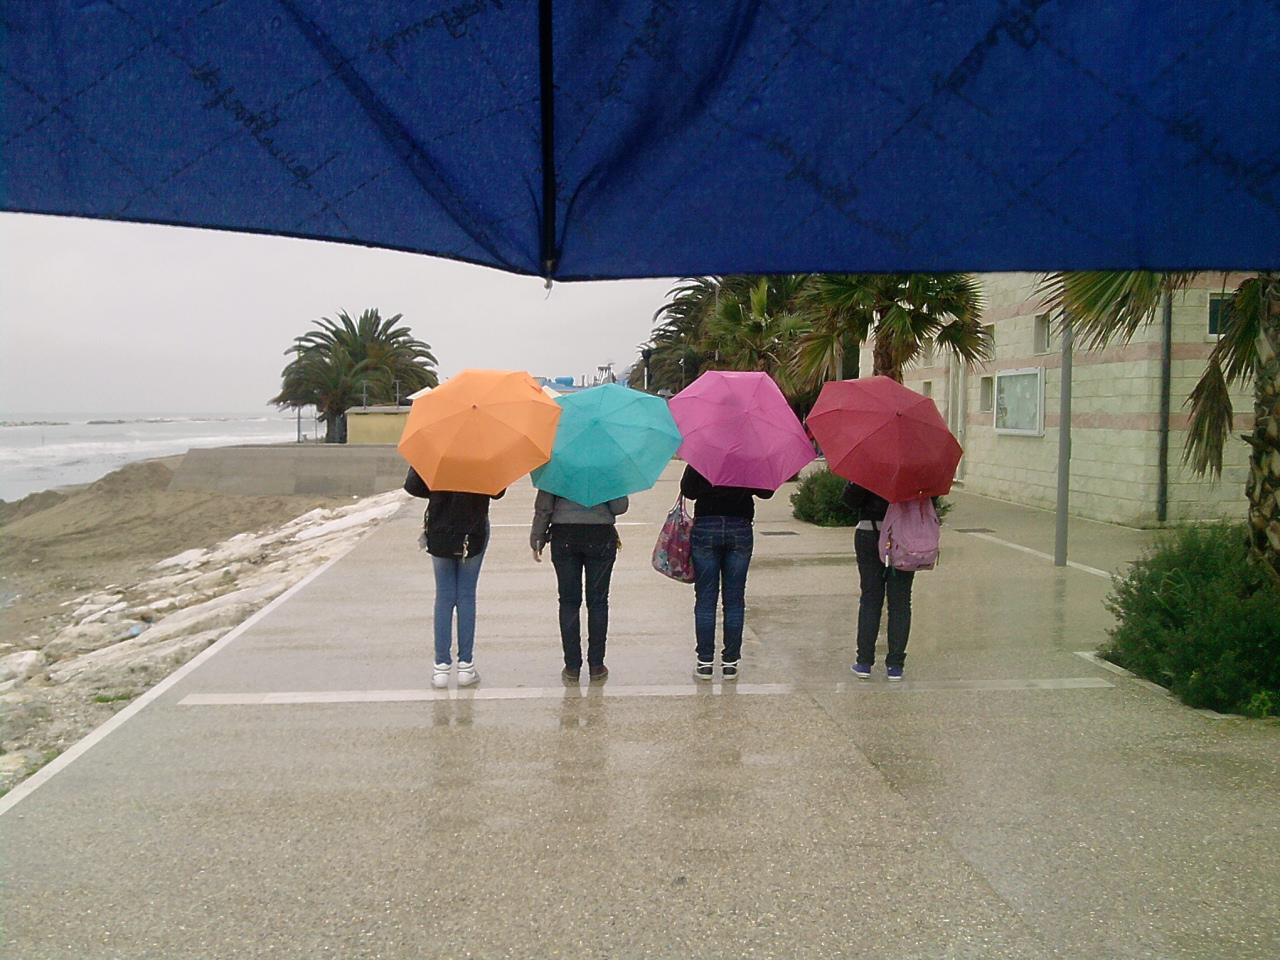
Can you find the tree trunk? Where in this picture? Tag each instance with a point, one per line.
(332, 427)
(1263, 488)
(884, 358)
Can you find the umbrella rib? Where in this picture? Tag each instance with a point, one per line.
(402, 143)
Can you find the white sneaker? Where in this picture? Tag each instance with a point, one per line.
(440, 678)
(467, 674)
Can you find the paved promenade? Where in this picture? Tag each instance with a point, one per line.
(302, 792)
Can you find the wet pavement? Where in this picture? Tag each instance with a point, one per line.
(303, 792)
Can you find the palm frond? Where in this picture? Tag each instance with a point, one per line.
(1212, 420)
(1106, 306)
(1242, 316)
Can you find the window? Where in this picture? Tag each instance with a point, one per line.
(991, 336)
(1042, 333)
(987, 395)
(1019, 402)
(927, 388)
(926, 353)
(1218, 319)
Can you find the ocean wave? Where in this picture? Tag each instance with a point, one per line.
(47, 456)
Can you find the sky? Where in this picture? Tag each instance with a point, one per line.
(101, 317)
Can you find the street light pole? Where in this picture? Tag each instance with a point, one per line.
(1064, 449)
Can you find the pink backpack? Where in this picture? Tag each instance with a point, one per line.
(909, 535)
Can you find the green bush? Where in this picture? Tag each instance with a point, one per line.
(1197, 616)
(817, 500)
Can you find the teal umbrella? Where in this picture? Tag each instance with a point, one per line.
(610, 442)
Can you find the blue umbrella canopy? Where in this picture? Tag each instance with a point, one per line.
(583, 140)
(610, 442)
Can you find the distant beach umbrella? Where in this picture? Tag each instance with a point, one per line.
(611, 441)
(480, 431)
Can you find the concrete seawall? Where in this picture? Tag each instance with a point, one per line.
(284, 469)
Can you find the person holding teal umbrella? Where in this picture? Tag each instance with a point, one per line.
(610, 442)
(584, 544)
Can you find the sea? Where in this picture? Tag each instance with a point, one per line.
(49, 451)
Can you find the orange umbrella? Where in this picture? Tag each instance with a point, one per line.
(480, 431)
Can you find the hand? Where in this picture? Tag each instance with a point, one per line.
(537, 555)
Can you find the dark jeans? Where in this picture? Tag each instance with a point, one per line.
(583, 551)
(721, 556)
(877, 581)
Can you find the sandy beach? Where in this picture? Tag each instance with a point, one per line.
(109, 587)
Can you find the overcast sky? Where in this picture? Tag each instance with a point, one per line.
(100, 317)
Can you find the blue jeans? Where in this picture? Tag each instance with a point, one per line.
(721, 555)
(456, 590)
(879, 582)
(583, 551)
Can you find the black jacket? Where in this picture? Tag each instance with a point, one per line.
(712, 501)
(867, 505)
(456, 524)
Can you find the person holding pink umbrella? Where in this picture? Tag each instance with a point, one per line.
(722, 545)
(741, 441)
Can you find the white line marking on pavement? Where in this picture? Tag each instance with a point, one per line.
(619, 523)
(1097, 661)
(618, 692)
(1036, 553)
(476, 693)
(97, 734)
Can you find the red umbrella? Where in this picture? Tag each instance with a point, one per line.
(885, 437)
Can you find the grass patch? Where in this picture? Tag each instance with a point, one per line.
(1197, 616)
(113, 697)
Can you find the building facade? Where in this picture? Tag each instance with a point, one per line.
(1006, 412)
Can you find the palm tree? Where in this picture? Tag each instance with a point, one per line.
(347, 361)
(898, 312)
(676, 356)
(758, 331)
(1106, 306)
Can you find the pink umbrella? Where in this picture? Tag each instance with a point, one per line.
(885, 437)
(739, 431)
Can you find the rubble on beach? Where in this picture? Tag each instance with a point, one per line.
(119, 640)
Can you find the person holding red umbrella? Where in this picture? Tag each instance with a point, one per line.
(878, 581)
(893, 446)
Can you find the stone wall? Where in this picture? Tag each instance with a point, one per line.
(284, 469)
(1115, 414)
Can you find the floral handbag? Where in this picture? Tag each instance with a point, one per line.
(673, 553)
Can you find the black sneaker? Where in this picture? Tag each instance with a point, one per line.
(704, 671)
(599, 674)
(729, 671)
(570, 675)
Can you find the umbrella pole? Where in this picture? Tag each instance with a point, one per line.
(547, 91)
(1064, 450)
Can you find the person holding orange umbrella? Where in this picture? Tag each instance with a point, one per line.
(455, 533)
(466, 441)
